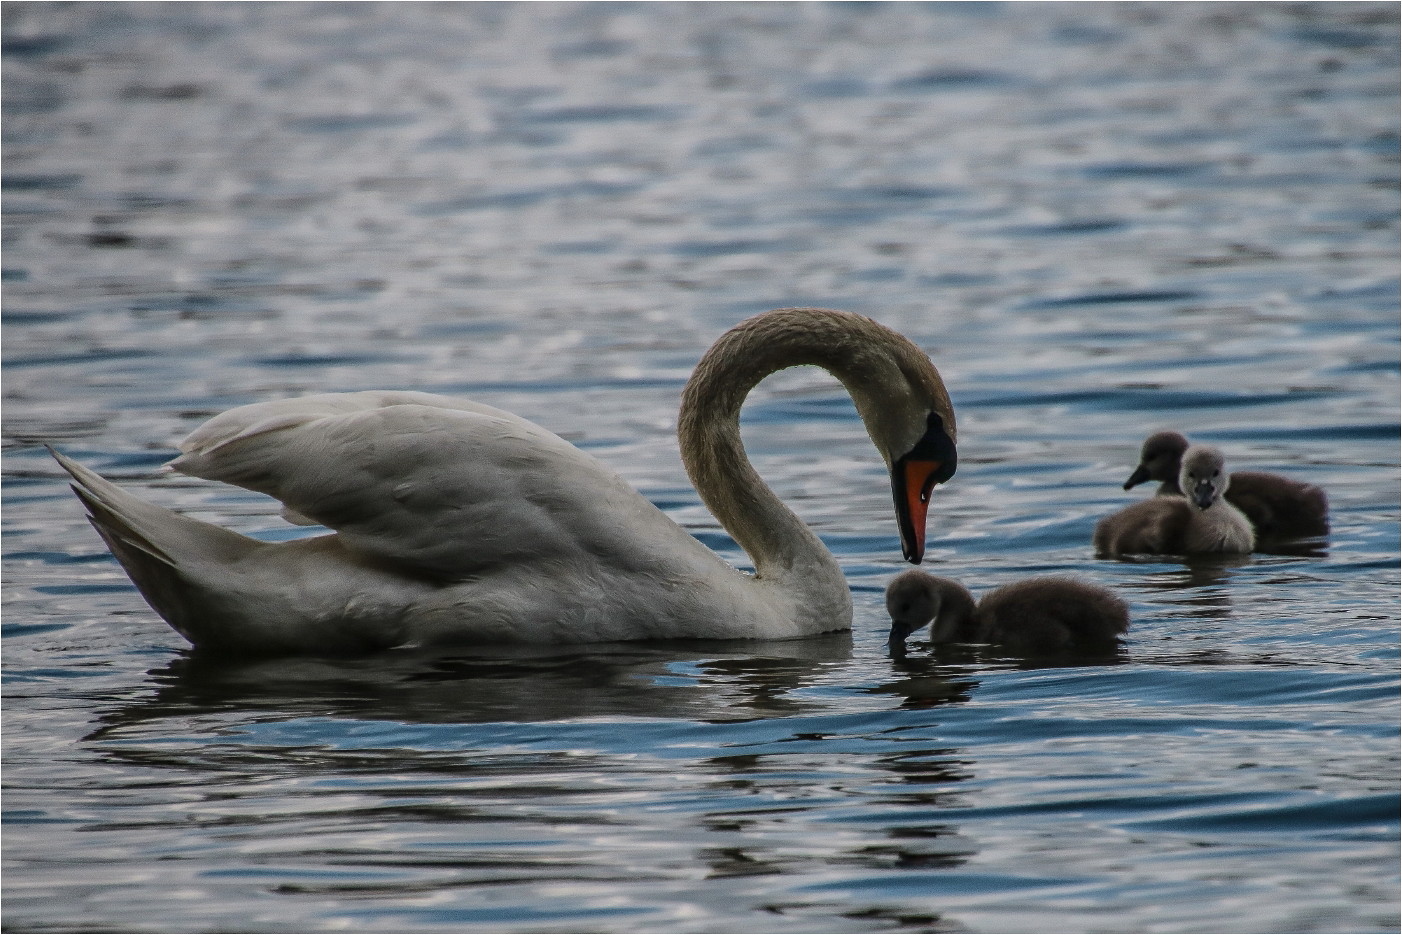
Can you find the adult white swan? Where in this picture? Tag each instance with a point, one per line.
(459, 523)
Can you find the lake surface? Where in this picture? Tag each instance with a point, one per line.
(1099, 220)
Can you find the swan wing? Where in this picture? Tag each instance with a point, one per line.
(276, 415)
(442, 488)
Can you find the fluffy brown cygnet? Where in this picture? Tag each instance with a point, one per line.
(1201, 520)
(1278, 507)
(1038, 616)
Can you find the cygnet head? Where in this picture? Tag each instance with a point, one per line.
(1203, 478)
(915, 598)
(1159, 458)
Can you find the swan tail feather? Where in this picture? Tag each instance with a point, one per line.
(158, 548)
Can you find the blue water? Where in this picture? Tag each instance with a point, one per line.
(1099, 220)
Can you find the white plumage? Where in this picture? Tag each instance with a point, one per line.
(455, 522)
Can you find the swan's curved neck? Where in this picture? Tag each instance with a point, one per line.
(782, 546)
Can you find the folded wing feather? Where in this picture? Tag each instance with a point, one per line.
(433, 486)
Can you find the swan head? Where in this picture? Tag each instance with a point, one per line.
(1203, 478)
(1159, 458)
(930, 461)
(910, 419)
(897, 391)
(914, 599)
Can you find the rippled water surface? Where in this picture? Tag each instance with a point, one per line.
(1098, 219)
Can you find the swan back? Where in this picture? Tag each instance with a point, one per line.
(440, 488)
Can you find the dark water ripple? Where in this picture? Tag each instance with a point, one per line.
(1098, 219)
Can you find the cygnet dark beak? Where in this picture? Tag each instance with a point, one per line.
(1203, 495)
(895, 642)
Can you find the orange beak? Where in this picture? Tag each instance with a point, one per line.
(931, 461)
(914, 482)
